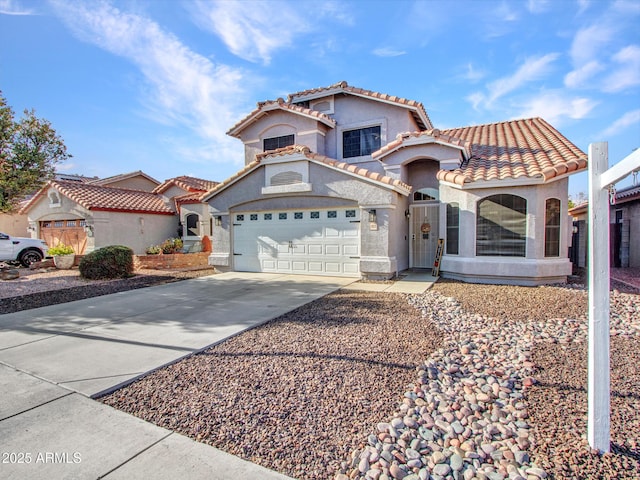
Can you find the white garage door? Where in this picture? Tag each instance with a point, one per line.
(311, 242)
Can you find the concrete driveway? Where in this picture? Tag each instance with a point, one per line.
(53, 358)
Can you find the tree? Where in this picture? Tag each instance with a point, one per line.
(29, 150)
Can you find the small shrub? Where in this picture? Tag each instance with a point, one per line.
(60, 249)
(154, 250)
(115, 261)
(171, 245)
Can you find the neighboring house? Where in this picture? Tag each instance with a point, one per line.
(195, 221)
(346, 181)
(131, 209)
(624, 233)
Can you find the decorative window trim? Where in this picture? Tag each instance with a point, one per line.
(292, 188)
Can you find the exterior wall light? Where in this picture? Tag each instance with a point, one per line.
(372, 216)
(218, 221)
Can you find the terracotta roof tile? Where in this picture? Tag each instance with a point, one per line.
(529, 148)
(344, 87)
(122, 176)
(270, 105)
(190, 184)
(301, 149)
(97, 197)
(403, 138)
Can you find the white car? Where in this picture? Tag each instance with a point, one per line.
(21, 249)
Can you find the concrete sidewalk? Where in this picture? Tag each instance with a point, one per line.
(413, 282)
(53, 358)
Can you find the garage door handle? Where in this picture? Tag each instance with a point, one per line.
(237, 254)
(354, 257)
(354, 221)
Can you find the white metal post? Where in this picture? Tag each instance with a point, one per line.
(598, 425)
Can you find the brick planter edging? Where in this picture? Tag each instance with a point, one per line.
(172, 260)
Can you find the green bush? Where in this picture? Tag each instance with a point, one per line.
(154, 250)
(115, 261)
(171, 245)
(60, 249)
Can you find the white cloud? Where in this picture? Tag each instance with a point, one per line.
(628, 119)
(532, 69)
(183, 88)
(388, 52)
(628, 74)
(11, 7)
(252, 30)
(590, 42)
(581, 76)
(472, 74)
(538, 6)
(555, 105)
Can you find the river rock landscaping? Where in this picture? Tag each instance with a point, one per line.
(465, 381)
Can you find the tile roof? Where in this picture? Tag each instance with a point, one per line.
(189, 184)
(526, 149)
(412, 138)
(343, 87)
(264, 107)
(123, 176)
(97, 197)
(301, 149)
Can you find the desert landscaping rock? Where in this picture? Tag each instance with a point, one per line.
(462, 382)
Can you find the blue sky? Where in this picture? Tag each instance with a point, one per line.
(153, 85)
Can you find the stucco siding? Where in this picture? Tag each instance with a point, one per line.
(466, 265)
(134, 230)
(14, 225)
(134, 183)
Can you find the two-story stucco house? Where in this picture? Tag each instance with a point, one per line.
(346, 181)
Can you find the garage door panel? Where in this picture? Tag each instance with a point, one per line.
(318, 242)
(350, 250)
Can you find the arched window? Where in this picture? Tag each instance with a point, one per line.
(501, 226)
(552, 228)
(453, 228)
(192, 225)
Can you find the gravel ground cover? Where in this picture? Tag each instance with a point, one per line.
(297, 394)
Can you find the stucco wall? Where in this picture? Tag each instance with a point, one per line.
(135, 230)
(134, 183)
(329, 188)
(278, 123)
(534, 267)
(14, 225)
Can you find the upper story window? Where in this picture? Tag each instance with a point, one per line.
(277, 142)
(501, 226)
(363, 141)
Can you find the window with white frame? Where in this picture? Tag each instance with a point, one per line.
(453, 228)
(552, 228)
(501, 226)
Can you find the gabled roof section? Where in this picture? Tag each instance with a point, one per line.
(189, 184)
(417, 109)
(529, 149)
(99, 198)
(304, 151)
(264, 108)
(422, 138)
(123, 176)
